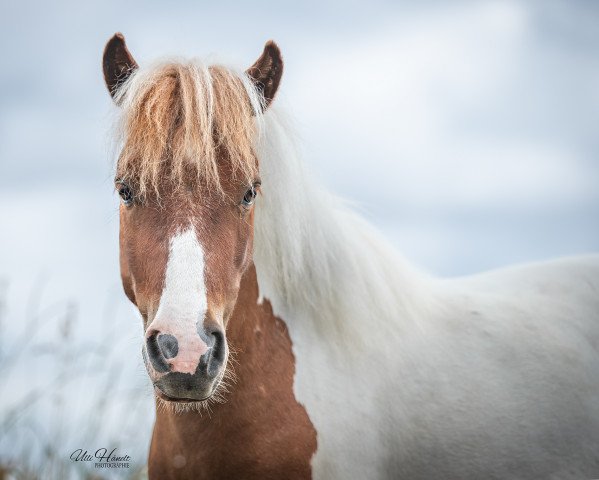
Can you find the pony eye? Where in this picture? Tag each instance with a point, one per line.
(249, 197)
(125, 193)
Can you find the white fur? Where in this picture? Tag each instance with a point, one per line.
(183, 303)
(184, 294)
(407, 376)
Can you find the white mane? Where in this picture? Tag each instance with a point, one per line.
(315, 257)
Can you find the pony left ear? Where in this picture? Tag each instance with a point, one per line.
(118, 63)
(266, 72)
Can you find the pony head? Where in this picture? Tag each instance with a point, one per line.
(187, 175)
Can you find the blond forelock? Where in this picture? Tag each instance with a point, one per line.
(181, 120)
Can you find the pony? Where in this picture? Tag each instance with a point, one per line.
(285, 338)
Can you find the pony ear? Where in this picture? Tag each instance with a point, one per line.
(266, 72)
(118, 64)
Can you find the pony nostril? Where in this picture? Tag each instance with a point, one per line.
(218, 346)
(168, 345)
(213, 360)
(155, 355)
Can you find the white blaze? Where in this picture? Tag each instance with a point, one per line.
(183, 303)
(184, 294)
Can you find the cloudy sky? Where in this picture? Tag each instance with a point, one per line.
(467, 131)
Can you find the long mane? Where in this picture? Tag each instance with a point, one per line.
(317, 260)
(179, 119)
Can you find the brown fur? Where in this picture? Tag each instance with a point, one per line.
(118, 64)
(267, 72)
(261, 432)
(223, 228)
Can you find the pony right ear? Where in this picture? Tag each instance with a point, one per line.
(118, 64)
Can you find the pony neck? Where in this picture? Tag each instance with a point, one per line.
(317, 260)
(228, 440)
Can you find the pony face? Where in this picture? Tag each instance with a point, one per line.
(182, 258)
(187, 177)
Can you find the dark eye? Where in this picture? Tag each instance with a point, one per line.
(249, 197)
(125, 193)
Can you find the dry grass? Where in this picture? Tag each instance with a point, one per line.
(39, 424)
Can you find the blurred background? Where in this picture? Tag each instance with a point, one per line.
(466, 131)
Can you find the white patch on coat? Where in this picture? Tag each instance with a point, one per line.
(408, 376)
(183, 303)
